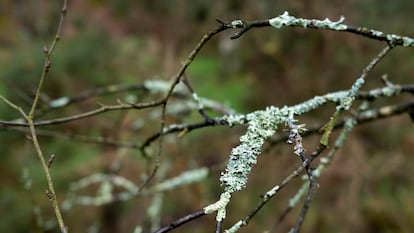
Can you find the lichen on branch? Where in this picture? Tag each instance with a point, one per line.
(262, 125)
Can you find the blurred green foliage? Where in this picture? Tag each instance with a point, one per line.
(231, 89)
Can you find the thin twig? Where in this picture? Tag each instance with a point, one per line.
(181, 221)
(311, 191)
(176, 79)
(30, 120)
(286, 20)
(183, 129)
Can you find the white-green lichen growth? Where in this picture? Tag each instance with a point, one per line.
(185, 178)
(236, 23)
(357, 86)
(236, 227)
(295, 199)
(272, 191)
(346, 102)
(407, 41)
(309, 105)
(286, 20)
(400, 40)
(391, 91)
(160, 86)
(219, 206)
(105, 194)
(60, 102)
(349, 125)
(317, 101)
(235, 119)
(262, 125)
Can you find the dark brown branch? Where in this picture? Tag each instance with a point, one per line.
(244, 26)
(181, 221)
(184, 129)
(311, 191)
(102, 109)
(219, 225)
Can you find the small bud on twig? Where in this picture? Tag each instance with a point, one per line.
(49, 194)
(50, 161)
(45, 50)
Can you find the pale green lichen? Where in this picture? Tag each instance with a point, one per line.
(236, 227)
(198, 101)
(236, 23)
(272, 191)
(357, 86)
(295, 199)
(407, 41)
(391, 38)
(391, 91)
(161, 86)
(157, 86)
(376, 33)
(235, 119)
(219, 206)
(184, 178)
(387, 91)
(349, 125)
(286, 20)
(105, 193)
(154, 211)
(282, 20)
(262, 124)
(60, 102)
(309, 105)
(345, 103)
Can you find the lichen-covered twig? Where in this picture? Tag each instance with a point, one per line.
(360, 118)
(286, 20)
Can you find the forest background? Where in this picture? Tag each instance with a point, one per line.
(368, 187)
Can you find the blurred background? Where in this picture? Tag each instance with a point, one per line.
(368, 188)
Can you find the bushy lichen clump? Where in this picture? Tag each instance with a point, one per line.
(261, 125)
